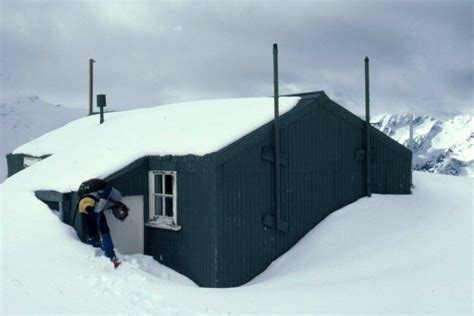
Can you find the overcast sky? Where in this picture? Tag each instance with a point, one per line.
(153, 52)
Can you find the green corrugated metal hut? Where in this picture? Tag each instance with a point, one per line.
(218, 210)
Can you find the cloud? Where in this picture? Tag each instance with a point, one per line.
(157, 52)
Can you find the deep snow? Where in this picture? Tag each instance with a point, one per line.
(384, 254)
(24, 118)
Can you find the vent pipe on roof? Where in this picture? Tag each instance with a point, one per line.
(101, 103)
(279, 224)
(411, 146)
(410, 132)
(276, 136)
(367, 127)
(91, 84)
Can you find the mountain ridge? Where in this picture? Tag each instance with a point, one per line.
(24, 118)
(445, 147)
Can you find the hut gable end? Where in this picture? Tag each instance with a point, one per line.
(319, 174)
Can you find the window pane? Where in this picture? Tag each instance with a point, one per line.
(158, 206)
(169, 206)
(158, 183)
(168, 184)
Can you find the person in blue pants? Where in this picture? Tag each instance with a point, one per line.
(92, 207)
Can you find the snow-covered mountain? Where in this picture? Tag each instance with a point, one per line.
(25, 118)
(445, 147)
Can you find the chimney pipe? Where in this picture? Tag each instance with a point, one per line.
(410, 133)
(367, 127)
(412, 147)
(278, 223)
(91, 85)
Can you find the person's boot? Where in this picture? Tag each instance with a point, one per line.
(116, 262)
(108, 247)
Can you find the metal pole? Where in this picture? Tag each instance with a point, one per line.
(91, 85)
(101, 114)
(410, 133)
(412, 148)
(367, 126)
(277, 137)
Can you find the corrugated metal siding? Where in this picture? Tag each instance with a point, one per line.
(245, 191)
(391, 167)
(133, 180)
(322, 176)
(191, 250)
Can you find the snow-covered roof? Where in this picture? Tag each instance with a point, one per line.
(84, 148)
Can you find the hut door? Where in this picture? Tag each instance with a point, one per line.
(128, 235)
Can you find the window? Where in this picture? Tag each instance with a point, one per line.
(163, 198)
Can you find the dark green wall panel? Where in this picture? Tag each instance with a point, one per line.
(190, 250)
(320, 139)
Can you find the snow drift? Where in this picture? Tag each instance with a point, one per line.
(385, 254)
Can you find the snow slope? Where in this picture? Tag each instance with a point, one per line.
(385, 254)
(199, 128)
(440, 147)
(25, 118)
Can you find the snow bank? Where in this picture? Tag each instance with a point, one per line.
(385, 254)
(25, 118)
(84, 149)
(46, 268)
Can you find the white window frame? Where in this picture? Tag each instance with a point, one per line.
(162, 221)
